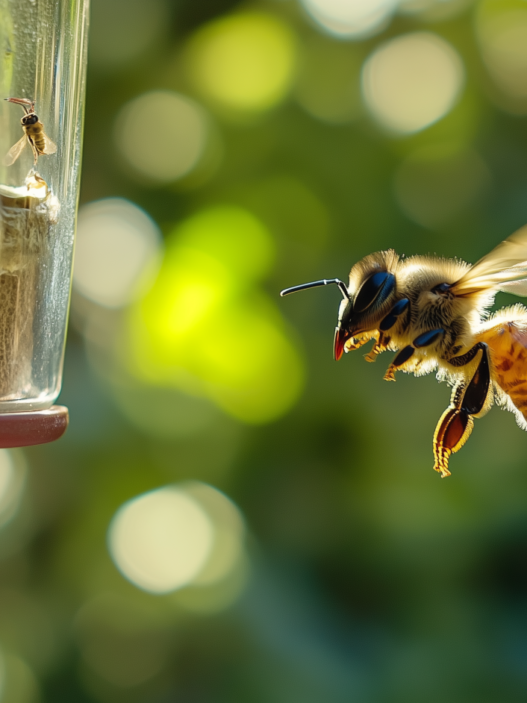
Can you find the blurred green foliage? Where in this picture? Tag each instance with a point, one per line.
(368, 579)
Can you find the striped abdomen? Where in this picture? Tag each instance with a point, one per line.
(508, 343)
(37, 135)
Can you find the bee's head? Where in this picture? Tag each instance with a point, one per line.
(31, 118)
(372, 292)
(367, 299)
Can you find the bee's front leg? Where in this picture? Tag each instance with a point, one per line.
(380, 346)
(359, 341)
(456, 423)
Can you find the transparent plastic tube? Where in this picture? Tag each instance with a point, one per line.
(42, 61)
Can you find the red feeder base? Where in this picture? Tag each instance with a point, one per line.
(38, 427)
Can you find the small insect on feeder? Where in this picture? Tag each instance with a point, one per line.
(43, 72)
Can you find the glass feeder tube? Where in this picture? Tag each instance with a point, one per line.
(42, 82)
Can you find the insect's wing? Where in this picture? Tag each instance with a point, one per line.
(50, 147)
(516, 288)
(505, 264)
(15, 151)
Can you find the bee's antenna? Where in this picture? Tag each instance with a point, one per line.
(23, 102)
(316, 284)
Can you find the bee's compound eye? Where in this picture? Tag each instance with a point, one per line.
(30, 119)
(442, 288)
(375, 288)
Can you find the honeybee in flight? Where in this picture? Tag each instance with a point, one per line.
(434, 313)
(33, 134)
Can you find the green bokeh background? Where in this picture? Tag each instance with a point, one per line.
(370, 579)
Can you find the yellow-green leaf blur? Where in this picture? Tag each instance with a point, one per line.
(206, 326)
(244, 62)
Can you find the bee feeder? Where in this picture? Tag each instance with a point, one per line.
(43, 72)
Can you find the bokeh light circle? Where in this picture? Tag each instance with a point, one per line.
(229, 532)
(412, 81)
(118, 246)
(351, 18)
(161, 540)
(162, 135)
(244, 62)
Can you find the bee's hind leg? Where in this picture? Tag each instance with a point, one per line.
(34, 150)
(456, 423)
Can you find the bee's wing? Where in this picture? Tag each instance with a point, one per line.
(515, 287)
(506, 265)
(50, 147)
(15, 151)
